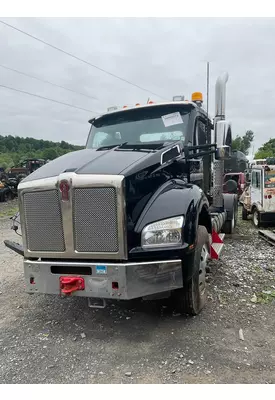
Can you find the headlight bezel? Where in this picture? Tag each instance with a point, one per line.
(165, 227)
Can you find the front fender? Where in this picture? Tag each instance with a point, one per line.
(258, 206)
(177, 198)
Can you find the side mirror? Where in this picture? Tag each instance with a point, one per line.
(223, 153)
(223, 135)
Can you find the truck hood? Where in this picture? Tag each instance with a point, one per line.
(112, 161)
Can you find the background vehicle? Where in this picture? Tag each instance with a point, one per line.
(6, 192)
(259, 199)
(260, 161)
(134, 215)
(26, 167)
(236, 163)
(15, 174)
(240, 180)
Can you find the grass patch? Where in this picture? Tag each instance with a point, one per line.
(265, 296)
(10, 212)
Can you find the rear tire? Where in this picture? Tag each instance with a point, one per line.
(230, 225)
(256, 218)
(244, 214)
(231, 205)
(192, 297)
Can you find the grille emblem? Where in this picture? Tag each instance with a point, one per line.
(64, 188)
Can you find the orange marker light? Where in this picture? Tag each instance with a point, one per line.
(150, 102)
(124, 107)
(137, 104)
(197, 96)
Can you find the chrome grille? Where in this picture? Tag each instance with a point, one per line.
(43, 221)
(95, 220)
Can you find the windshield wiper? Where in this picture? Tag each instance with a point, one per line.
(147, 147)
(108, 146)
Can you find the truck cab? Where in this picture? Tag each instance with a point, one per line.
(135, 214)
(259, 198)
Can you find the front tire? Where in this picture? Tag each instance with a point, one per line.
(192, 297)
(256, 218)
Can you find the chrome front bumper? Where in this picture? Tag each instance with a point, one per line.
(105, 280)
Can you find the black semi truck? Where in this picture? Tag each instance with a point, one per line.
(238, 162)
(137, 213)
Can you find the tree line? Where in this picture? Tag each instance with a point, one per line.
(243, 144)
(266, 150)
(14, 149)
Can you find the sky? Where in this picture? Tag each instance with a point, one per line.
(166, 56)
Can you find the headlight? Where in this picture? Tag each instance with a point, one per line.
(165, 233)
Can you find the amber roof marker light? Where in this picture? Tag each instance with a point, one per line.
(197, 98)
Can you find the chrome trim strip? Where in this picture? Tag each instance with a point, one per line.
(77, 181)
(67, 215)
(109, 264)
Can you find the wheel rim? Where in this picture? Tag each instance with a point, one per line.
(202, 270)
(233, 221)
(255, 218)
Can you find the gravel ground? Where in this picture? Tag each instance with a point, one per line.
(46, 339)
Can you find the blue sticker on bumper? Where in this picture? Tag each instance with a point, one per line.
(101, 269)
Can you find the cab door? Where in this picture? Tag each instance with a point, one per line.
(256, 187)
(269, 191)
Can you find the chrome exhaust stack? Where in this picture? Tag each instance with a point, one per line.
(220, 96)
(223, 140)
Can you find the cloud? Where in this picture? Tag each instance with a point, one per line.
(165, 56)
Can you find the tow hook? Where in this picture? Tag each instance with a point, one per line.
(70, 284)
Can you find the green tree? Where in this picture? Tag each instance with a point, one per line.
(50, 154)
(266, 150)
(243, 143)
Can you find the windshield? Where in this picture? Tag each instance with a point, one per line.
(145, 125)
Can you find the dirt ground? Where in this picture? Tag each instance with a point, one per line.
(46, 339)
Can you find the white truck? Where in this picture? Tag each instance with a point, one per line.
(259, 197)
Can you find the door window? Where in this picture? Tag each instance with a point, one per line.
(256, 179)
(201, 132)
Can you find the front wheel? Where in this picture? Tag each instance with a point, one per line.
(256, 218)
(192, 297)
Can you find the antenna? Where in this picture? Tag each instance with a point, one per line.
(207, 85)
(207, 99)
